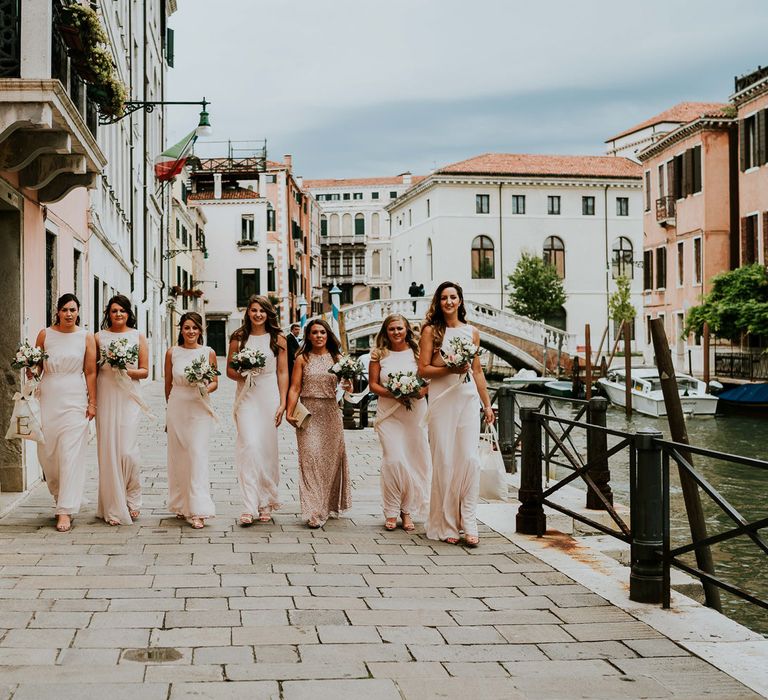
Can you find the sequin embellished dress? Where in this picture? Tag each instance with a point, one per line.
(324, 488)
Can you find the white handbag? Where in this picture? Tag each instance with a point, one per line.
(493, 475)
(25, 423)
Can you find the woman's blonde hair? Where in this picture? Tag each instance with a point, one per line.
(383, 344)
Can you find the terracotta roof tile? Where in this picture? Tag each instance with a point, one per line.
(543, 165)
(681, 113)
(361, 182)
(238, 193)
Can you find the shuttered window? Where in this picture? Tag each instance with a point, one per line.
(648, 269)
(661, 268)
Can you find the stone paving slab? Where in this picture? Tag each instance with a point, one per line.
(282, 612)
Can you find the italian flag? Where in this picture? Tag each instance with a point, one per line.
(171, 161)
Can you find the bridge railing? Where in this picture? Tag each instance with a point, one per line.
(650, 530)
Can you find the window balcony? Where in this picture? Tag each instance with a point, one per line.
(47, 122)
(247, 244)
(666, 210)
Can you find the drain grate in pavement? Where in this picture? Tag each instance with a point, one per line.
(153, 654)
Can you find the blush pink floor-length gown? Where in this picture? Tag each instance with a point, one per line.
(454, 437)
(117, 423)
(188, 422)
(406, 465)
(63, 401)
(256, 457)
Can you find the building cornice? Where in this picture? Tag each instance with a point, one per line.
(683, 132)
(755, 90)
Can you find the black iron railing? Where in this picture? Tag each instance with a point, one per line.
(741, 365)
(10, 38)
(665, 208)
(649, 532)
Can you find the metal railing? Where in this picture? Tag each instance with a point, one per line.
(10, 39)
(741, 365)
(649, 532)
(665, 208)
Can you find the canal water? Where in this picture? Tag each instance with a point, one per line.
(739, 560)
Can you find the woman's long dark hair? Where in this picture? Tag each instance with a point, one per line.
(62, 301)
(384, 345)
(125, 304)
(332, 343)
(242, 334)
(435, 317)
(197, 319)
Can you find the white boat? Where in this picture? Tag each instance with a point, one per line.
(525, 379)
(647, 397)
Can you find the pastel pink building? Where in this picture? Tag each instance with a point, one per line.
(690, 214)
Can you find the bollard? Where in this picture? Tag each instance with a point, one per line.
(597, 447)
(646, 578)
(506, 425)
(530, 515)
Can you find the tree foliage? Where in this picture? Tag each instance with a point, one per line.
(620, 305)
(536, 289)
(737, 304)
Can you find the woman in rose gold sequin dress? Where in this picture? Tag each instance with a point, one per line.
(324, 488)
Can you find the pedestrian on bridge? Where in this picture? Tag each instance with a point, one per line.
(406, 466)
(259, 408)
(324, 486)
(454, 428)
(117, 421)
(67, 404)
(188, 422)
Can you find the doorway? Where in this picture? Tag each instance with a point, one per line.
(217, 336)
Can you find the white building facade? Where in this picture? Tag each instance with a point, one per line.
(355, 235)
(471, 221)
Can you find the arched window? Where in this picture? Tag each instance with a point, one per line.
(554, 254)
(323, 225)
(429, 260)
(334, 224)
(483, 267)
(346, 225)
(375, 232)
(359, 225)
(623, 255)
(558, 319)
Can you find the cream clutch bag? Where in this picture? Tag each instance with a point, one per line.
(301, 415)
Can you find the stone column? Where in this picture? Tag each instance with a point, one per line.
(36, 28)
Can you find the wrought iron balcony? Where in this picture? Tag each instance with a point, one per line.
(665, 210)
(247, 244)
(10, 39)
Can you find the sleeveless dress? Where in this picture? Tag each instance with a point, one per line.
(117, 422)
(63, 402)
(258, 465)
(324, 488)
(454, 437)
(406, 465)
(188, 423)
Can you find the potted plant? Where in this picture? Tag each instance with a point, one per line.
(174, 291)
(197, 293)
(80, 28)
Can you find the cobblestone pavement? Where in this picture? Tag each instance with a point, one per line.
(279, 611)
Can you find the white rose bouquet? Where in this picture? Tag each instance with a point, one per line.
(28, 357)
(404, 386)
(200, 373)
(119, 354)
(347, 367)
(248, 362)
(461, 351)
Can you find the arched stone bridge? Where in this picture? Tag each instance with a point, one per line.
(518, 340)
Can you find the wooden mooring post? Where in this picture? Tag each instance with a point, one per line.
(627, 368)
(679, 433)
(588, 363)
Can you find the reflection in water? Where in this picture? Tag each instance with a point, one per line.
(739, 560)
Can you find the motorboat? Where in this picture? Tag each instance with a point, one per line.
(647, 397)
(526, 379)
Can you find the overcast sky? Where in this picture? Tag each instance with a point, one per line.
(359, 88)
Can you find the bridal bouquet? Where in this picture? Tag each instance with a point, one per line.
(347, 367)
(461, 351)
(119, 354)
(405, 386)
(249, 362)
(200, 373)
(27, 357)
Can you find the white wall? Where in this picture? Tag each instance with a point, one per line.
(453, 224)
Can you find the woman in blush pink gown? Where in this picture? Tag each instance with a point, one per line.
(188, 423)
(259, 408)
(324, 488)
(455, 396)
(67, 404)
(406, 466)
(118, 419)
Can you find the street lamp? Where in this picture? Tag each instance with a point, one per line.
(203, 126)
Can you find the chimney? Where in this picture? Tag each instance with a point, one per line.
(217, 185)
(288, 161)
(407, 178)
(300, 181)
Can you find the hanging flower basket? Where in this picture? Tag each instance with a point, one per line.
(174, 291)
(197, 293)
(83, 21)
(71, 37)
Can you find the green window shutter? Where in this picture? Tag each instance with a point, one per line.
(169, 47)
(742, 145)
(760, 135)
